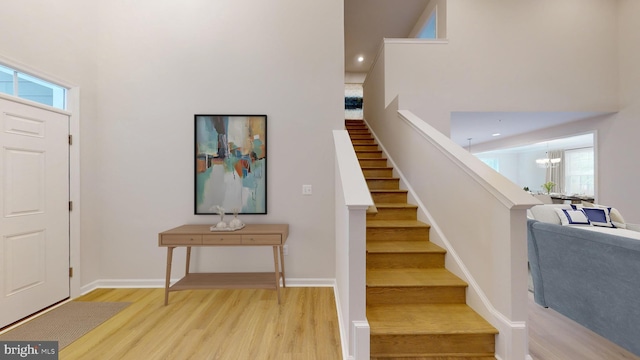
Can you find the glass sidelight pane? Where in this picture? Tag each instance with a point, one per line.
(6, 80)
(37, 90)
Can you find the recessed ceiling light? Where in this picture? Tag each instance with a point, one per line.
(360, 58)
(496, 134)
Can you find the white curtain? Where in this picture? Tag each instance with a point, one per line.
(556, 174)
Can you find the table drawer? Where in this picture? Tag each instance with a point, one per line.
(181, 239)
(274, 239)
(220, 239)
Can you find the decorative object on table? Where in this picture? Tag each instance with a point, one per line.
(221, 225)
(548, 186)
(236, 223)
(228, 228)
(230, 163)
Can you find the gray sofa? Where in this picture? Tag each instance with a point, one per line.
(590, 277)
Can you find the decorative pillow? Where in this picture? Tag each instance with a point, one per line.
(616, 216)
(572, 217)
(617, 219)
(546, 213)
(599, 216)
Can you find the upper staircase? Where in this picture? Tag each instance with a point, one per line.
(415, 307)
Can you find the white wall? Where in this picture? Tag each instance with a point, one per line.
(548, 55)
(354, 77)
(507, 55)
(59, 39)
(508, 164)
(531, 176)
(148, 69)
(618, 142)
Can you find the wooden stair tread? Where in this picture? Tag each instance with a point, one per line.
(420, 319)
(403, 246)
(376, 167)
(412, 278)
(439, 356)
(381, 178)
(396, 224)
(396, 206)
(388, 190)
(379, 159)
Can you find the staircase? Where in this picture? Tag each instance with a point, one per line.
(416, 308)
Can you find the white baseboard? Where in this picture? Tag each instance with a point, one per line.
(159, 283)
(343, 331)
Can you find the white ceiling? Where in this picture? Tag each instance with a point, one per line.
(480, 126)
(571, 142)
(367, 22)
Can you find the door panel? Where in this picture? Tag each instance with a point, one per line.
(24, 261)
(34, 196)
(23, 182)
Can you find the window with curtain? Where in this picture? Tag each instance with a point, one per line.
(556, 173)
(579, 171)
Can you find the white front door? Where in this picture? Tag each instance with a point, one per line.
(34, 200)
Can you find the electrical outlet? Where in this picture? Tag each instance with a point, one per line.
(306, 190)
(285, 250)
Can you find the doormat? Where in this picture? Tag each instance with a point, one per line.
(65, 324)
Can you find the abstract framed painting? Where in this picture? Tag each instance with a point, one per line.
(230, 164)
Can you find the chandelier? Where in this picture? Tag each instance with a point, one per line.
(548, 162)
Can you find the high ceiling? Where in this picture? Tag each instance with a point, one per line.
(367, 22)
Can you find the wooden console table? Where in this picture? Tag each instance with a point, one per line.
(188, 236)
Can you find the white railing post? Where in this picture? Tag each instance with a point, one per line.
(352, 201)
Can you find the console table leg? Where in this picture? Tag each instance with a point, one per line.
(277, 267)
(186, 272)
(168, 277)
(282, 265)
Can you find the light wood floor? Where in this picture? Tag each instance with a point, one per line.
(248, 324)
(214, 324)
(555, 337)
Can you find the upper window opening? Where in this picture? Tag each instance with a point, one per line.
(429, 31)
(16, 83)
